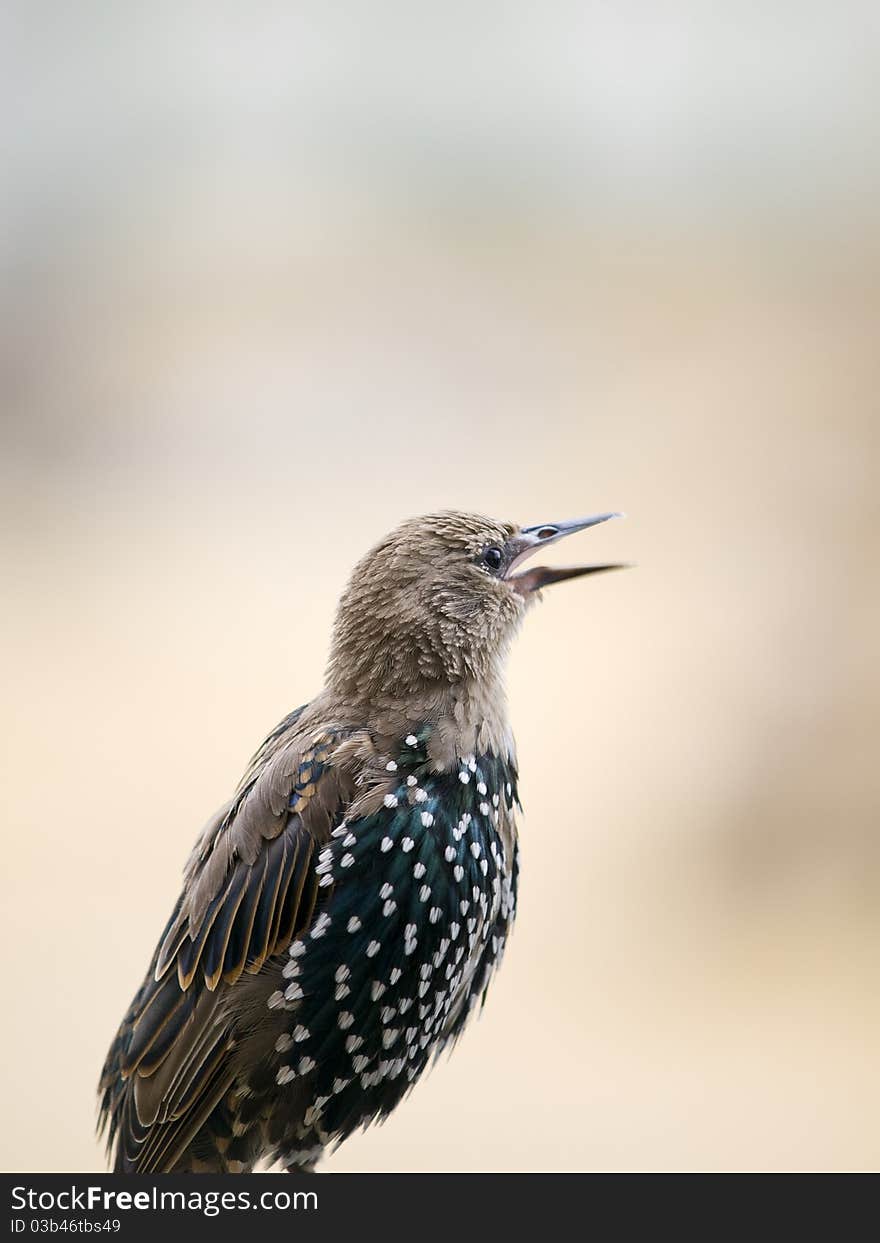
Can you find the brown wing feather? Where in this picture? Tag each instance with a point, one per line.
(249, 887)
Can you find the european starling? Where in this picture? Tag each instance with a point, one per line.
(342, 915)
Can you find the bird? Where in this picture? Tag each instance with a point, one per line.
(343, 914)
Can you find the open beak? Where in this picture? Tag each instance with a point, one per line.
(529, 539)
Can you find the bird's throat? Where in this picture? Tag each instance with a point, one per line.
(466, 717)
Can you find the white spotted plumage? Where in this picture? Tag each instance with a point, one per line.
(459, 876)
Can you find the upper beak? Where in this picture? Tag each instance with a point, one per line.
(529, 539)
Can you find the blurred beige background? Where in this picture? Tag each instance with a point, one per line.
(274, 278)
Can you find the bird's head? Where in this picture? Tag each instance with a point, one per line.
(439, 599)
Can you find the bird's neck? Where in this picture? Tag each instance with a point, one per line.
(466, 717)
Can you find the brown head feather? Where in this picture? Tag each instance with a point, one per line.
(423, 629)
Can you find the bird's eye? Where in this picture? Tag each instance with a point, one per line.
(493, 558)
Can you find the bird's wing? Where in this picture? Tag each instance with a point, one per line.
(250, 886)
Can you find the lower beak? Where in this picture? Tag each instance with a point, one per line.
(529, 539)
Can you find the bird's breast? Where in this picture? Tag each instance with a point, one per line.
(420, 896)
